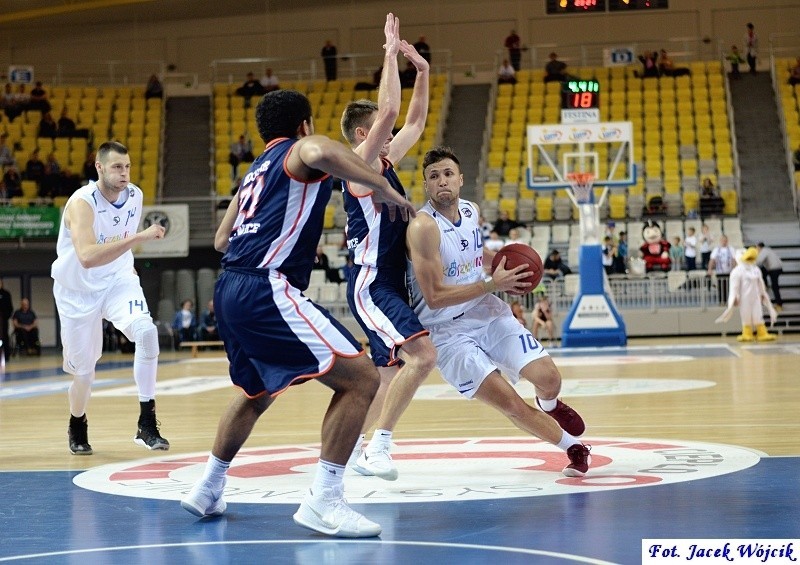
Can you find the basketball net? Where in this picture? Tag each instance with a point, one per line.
(589, 213)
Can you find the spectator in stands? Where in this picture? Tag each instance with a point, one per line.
(794, 73)
(555, 70)
(690, 249)
(423, 48)
(554, 266)
(711, 203)
(676, 254)
(38, 100)
(514, 236)
(543, 318)
(4, 195)
(649, 62)
(208, 323)
(10, 105)
(347, 268)
(184, 324)
(771, 267)
(494, 243)
(667, 67)
(706, 242)
(519, 313)
(722, 262)
(486, 227)
(22, 98)
(89, 171)
(251, 87)
(611, 227)
(796, 159)
(322, 262)
(505, 224)
(13, 181)
(609, 252)
(49, 186)
(241, 152)
(621, 259)
(751, 43)
(35, 168)
(154, 88)
(68, 182)
(6, 309)
(329, 60)
(408, 76)
(506, 74)
(514, 45)
(67, 128)
(735, 59)
(6, 153)
(48, 126)
(26, 328)
(270, 81)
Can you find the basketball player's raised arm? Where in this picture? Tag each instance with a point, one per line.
(388, 95)
(79, 219)
(319, 153)
(417, 113)
(222, 237)
(423, 240)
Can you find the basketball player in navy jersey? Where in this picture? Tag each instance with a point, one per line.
(475, 332)
(95, 280)
(376, 290)
(274, 336)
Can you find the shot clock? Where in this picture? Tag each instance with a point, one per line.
(580, 94)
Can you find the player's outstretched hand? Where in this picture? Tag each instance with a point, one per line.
(394, 202)
(511, 280)
(156, 231)
(410, 53)
(392, 32)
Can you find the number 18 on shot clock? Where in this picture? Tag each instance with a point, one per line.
(580, 101)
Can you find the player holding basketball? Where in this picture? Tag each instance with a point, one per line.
(274, 336)
(475, 333)
(376, 290)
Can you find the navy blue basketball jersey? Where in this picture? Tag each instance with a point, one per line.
(372, 238)
(280, 218)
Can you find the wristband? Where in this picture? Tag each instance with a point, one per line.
(488, 285)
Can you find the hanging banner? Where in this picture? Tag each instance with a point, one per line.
(16, 221)
(175, 220)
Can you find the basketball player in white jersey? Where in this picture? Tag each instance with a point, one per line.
(376, 290)
(475, 332)
(95, 279)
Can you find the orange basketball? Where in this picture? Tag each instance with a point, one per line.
(520, 254)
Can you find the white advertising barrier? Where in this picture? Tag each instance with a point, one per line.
(175, 220)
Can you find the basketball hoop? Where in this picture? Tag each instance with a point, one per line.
(581, 184)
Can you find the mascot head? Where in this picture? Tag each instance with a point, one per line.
(651, 232)
(748, 255)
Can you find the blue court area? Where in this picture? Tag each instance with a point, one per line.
(45, 518)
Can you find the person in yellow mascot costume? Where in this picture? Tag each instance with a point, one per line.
(747, 291)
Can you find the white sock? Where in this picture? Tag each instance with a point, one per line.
(548, 405)
(79, 392)
(328, 475)
(214, 475)
(381, 439)
(567, 441)
(359, 443)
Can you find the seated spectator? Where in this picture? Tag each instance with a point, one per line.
(794, 73)
(506, 74)
(66, 126)
(735, 59)
(514, 236)
(184, 324)
(48, 126)
(486, 227)
(22, 98)
(543, 318)
(519, 313)
(38, 100)
(49, 185)
(251, 87)
(9, 102)
(711, 204)
(6, 153)
(555, 70)
(241, 152)
(668, 69)
(208, 324)
(649, 62)
(154, 88)
(68, 183)
(505, 224)
(655, 207)
(554, 266)
(494, 242)
(269, 81)
(13, 181)
(89, 171)
(4, 194)
(408, 76)
(26, 328)
(35, 168)
(322, 262)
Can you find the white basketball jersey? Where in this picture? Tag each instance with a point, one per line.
(111, 223)
(461, 248)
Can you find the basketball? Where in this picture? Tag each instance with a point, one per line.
(519, 254)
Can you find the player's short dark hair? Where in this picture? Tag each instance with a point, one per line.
(280, 113)
(439, 153)
(109, 146)
(355, 115)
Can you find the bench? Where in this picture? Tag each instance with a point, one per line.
(196, 345)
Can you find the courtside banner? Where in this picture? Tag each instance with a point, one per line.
(175, 220)
(16, 221)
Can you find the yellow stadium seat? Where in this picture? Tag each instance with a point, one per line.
(691, 202)
(544, 208)
(29, 189)
(731, 202)
(617, 204)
